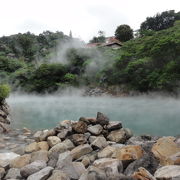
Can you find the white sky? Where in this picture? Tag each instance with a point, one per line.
(84, 17)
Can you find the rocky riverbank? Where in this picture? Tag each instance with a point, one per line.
(90, 149)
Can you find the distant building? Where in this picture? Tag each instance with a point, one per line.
(111, 42)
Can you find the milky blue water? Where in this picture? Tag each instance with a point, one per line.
(143, 115)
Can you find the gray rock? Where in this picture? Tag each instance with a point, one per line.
(81, 150)
(58, 175)
(118, 136)
(78, 139)
(102, 119)
(79, 168)
(148, 161)
(63, 133)
(43, 174)
(95, 130)
(65, 164)
(106, 152)
(62, 147)
(53, 140)
(13, 173)
(99, 143)
(92, 138)
(37, 135)
(41, 155)
(4, 164)
(32, 168)
(2, 172)
(93, 173)
(168, 172)
(112, 167)
(46, 133)
(114, 125)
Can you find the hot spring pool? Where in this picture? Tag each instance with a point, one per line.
(143, 115)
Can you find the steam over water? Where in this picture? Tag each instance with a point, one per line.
(143, 115)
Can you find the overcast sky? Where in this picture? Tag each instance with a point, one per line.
(83, 17)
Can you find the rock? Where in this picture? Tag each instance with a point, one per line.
(80, 127)
(86, 161)
(43, 145)
(106, 152)
(53, 140)
(19, 150)
(92, 138)
(142, 174)
(81, 150)
(62, 147)
(112, 167)
(66, 124)
(174, 159)
(2, 172)
(63, 133)
(20, 161)
(91, 120)
(58, 175)
(78, 139)
(39, 155)
(79, 168)
(4, 164)
(8, 156)
(13, 173)
(164, 148)
(148, 161)
(46, 133)
(32, 168)
(53, 158)
(114, 125)
(86, 120)
(43, 174)
(118, 136)
(37, 135)
(168, 172)
(129, 152)
(95, 130)
(93, 173)
(31, 147)
(102, 119)
(65, 164)
(99, 143)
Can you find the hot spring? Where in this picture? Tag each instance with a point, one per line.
(142, 114)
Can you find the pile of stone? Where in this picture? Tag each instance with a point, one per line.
(4, 115)
(94, 149)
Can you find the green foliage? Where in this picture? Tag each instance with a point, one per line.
(159, 22)
(124, 33)
(4, 91)
(98, 39)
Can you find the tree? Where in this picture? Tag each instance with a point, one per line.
(99, 39)
(160, 21)
(124, 33)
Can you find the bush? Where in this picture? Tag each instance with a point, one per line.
(4, 91)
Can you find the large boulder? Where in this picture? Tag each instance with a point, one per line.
(32, 147)
(107, 152)
(43, 174)
(114, 125)
(39, 155)
(13, 173)
(164, 148)
(168, 172)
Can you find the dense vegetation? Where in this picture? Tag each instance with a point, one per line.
(146, 63)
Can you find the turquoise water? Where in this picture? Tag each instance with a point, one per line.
(143, 115)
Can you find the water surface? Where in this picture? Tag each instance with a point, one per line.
(144, 115)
